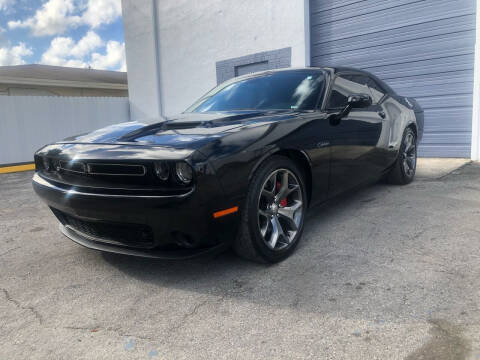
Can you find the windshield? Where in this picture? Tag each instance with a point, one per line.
(284, 90)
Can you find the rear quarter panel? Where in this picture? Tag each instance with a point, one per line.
(405, 112)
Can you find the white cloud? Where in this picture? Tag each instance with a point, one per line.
(101, 12)
(5, 4)
(57, 16)
(87, 44)
(59, 52)
(13, 55)
(54, 17)
(64, 51)
(114, 57)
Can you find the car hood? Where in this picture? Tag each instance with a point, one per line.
(185, 131)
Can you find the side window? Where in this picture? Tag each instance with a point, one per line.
(343, 87)
(376, 90)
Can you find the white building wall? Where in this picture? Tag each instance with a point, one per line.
(139, 22)
(192, 35)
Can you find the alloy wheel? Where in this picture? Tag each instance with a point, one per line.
(409, 154)
(280, 209)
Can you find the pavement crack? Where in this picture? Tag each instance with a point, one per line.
(17, 303)
(194, 310)
(418, 234)
(121, 333)
(186, 316)
(118, 331)
(9, 251)
(78, 328)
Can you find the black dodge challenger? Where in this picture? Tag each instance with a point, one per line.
(239, 168)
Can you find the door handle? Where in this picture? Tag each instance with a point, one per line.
(382, 114)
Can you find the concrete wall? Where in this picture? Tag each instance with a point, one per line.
(29, 122)
(193, 35)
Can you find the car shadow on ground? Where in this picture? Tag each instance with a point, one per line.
(344, 258)
(154, 270)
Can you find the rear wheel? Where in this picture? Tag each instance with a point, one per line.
(405, 167)
(273, 216)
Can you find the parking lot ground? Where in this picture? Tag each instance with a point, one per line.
(385, 273)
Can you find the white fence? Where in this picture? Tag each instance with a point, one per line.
(29, 122)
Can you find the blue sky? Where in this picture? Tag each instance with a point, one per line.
(75, 33)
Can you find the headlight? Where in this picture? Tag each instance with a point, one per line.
(162, 169)
(184, 172)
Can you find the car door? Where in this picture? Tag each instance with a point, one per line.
(387, 108)
(354, 155)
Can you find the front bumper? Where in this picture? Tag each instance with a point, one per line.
(179, 226)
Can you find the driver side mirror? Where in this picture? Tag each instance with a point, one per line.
(356, 101)
(359, 101)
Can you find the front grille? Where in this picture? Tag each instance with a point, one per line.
(100, 169)
(73, 166)
(131, 235)
(116, 169)
(110, 178)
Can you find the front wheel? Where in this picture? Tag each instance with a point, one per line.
(274, 212)
(405, 167)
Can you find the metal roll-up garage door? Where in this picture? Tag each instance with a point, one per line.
(422, 48)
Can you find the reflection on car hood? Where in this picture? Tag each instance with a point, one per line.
(189, 130)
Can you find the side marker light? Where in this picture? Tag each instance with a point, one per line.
(225, 212)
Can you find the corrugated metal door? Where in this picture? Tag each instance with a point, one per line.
(422, 48)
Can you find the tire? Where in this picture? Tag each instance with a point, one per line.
(264, 216)
(403, 171)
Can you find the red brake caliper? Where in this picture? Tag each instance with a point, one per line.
(283, 202)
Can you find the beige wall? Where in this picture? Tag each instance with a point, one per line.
(26, 90)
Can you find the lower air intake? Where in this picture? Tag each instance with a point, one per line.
(130, 235)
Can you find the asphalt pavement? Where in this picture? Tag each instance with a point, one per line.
(386, 272)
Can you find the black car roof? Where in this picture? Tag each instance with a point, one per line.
(326, 68)
(386, 87)
(332, 70)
